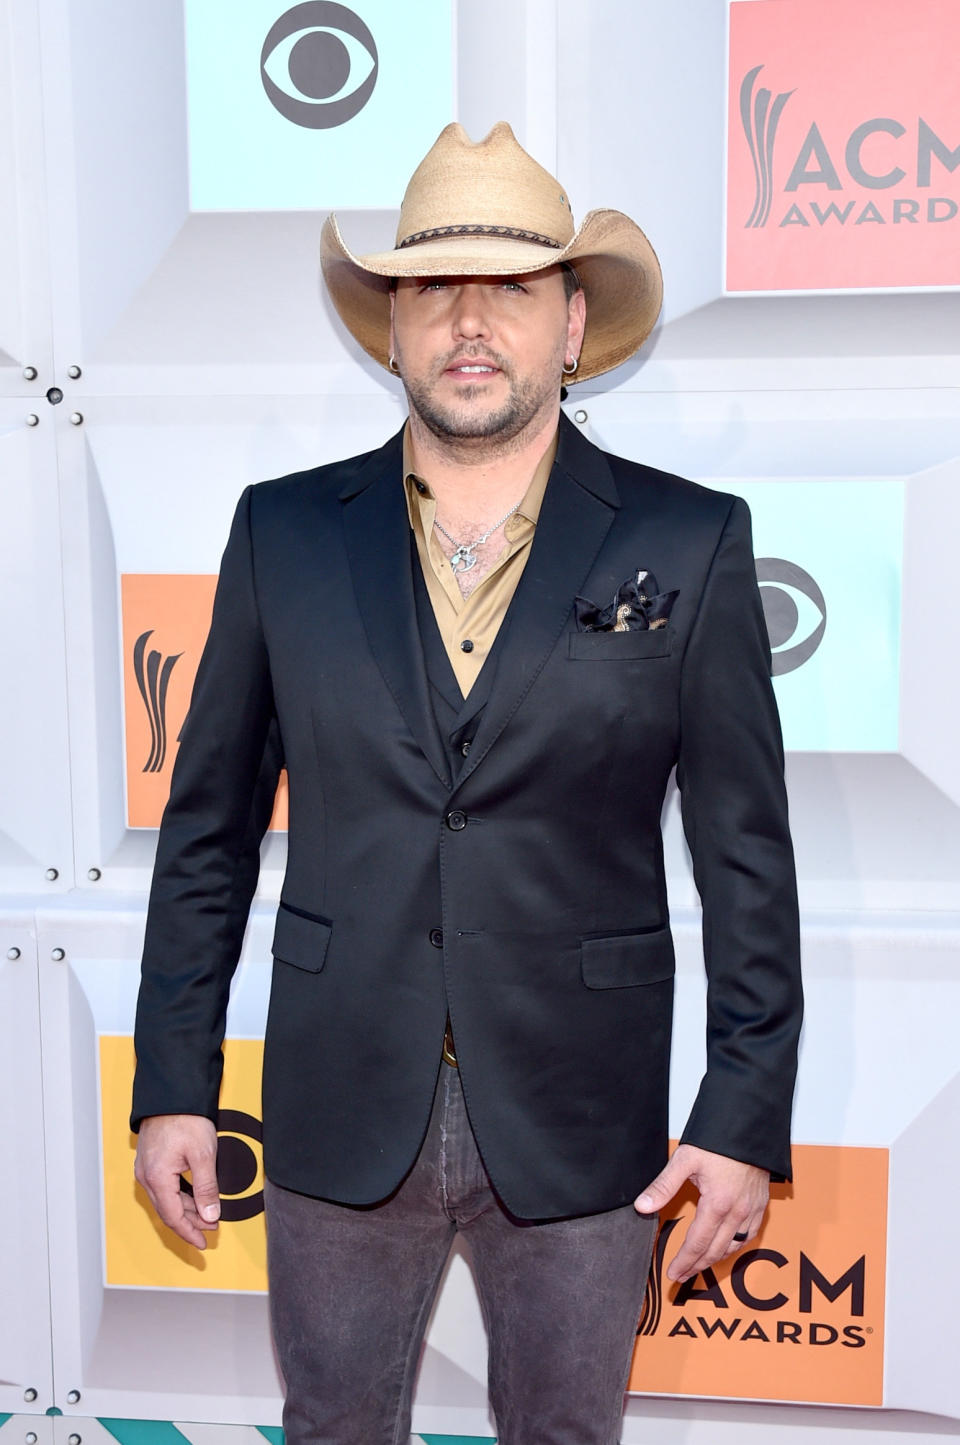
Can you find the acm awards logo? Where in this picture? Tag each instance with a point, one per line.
(743, 1309)
(319, 49)
(814, 164)
(798, 1314)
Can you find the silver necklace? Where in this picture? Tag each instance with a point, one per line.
(464, 555)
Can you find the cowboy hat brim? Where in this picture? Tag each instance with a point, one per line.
(617, 267)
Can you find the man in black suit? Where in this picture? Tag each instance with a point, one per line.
(479, 652)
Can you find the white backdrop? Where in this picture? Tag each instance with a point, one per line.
(203, 357)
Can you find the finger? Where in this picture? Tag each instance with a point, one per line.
(722, 1243)
(661, 1190)
(169, 1201)
(190, 1212)
(702, 1231)
(202, 1163)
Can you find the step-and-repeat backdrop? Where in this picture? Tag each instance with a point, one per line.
(164, 341)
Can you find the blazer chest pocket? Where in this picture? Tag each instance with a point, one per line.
(301, 939)
(620, 646)
(624, 960)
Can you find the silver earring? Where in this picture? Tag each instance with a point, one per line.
(392, 363)
(569, 370)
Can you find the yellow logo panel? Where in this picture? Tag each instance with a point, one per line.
(142, 1252)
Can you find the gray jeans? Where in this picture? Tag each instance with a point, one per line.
(351, 1290)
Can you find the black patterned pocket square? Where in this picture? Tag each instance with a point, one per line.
(636, 607)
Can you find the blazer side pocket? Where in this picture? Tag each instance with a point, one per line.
(619, 646)
(625, 960)
(301, 939)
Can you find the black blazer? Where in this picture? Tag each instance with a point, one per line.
(539, 857)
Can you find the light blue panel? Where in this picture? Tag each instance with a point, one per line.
(246, 155)
(848, 536)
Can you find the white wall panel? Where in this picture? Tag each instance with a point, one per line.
(36, 844)
(27, 1430)
(25, 337)
(150, 487)
(148, 1353)
(26, 1378)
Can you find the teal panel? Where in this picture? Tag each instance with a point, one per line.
(459, 1439)
(268, 144)
(144, 1432)
(3, 1420)
(848, 537)
(273, 1433)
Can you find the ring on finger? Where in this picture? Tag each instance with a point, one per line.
(740, 1237)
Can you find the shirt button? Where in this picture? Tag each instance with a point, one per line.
(436, 937)
(421, 487)
(456, 821)
(465, 746)
(466, 645)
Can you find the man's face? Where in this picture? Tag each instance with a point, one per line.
(481, 356)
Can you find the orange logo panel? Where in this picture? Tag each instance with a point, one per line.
(843, 165)
(798, 1313)
(166, 618)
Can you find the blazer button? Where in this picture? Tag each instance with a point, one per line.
(456, 821)
(436, 937)
(465, 747)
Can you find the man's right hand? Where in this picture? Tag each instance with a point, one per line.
(170, 1145)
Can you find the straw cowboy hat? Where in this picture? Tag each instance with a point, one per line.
(488, 209)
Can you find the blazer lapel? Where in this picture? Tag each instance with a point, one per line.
(377, 534)
(578, 508)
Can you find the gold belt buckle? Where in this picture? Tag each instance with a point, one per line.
(449, 1052)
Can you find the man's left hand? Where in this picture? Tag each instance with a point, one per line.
(733, 1200)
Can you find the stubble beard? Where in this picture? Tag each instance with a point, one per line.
(466, 423)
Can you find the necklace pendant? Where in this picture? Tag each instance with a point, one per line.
(464, 557)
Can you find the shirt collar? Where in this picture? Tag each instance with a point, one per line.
(416, 489)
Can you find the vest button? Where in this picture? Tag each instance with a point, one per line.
(456, 821)
(436, 937)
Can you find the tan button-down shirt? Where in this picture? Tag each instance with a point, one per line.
(475, 619)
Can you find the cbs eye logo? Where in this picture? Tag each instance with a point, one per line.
(239, 1165)
(792, 600)
(320, 49)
